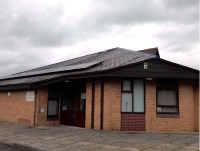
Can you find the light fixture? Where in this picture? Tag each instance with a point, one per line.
(149, 78)
(9, 93)
(67, 81)
(145, 65)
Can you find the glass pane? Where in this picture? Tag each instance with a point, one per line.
(166, 97)
(167, 109)
(82, 102)
(126, 85)
(138, 93)
(83, 96)
(73, 103)
(126, 102)
(52, 107)
(64, 105)
(64, 102)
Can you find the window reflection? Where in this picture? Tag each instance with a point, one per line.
(82, 102)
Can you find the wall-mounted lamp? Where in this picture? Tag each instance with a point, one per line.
(9, 93)
(145, 65)
(67, 81)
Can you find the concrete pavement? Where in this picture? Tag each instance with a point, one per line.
(67, 138)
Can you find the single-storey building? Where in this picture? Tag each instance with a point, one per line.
(116, 89)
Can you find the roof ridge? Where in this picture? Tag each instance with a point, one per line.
(151, 51)
(146, 54)
(148, 49)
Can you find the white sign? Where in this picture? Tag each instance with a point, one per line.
(41, 110)
(30, 96)
(158, 109)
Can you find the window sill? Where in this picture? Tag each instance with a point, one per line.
(132, 112)
(167, 115)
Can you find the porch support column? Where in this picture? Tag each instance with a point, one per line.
(88, 114)
(112, 104)
(97, 104)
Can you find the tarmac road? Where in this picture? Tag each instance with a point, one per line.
(4, 147)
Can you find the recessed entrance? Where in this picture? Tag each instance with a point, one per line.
(73, 103)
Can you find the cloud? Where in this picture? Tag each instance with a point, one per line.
(179, 38)
(140, 11)
(37, 33)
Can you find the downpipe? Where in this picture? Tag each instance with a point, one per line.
(35, 108)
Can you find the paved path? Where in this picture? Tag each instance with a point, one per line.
(66, 138)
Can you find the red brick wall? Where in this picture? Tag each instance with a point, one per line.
(132, 122)
(106, 105)
(42, 100)
(150, 98)
(115, 93)
(112, 104)
(97, 104)
(88, 111)
(184, 123)
(15, 108)
(196, 104)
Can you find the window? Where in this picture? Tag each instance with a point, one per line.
(167, 96)
(52, 108)
(53, 102)
(132, 96)
(126, 85)
(127, 102)
(138, 93)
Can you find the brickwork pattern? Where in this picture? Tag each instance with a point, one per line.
(115, 102)
(112, 104)
(106, 105)
(24, 121)
(196, 104)
(15, 108)
(150, 104)
(132, 122)
(88, 112)
(185, 123)
(97, 104)
(42, 103)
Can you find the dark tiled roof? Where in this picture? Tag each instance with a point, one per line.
(53, 70)
(110, 59)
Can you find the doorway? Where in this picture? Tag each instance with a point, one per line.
(73, 103)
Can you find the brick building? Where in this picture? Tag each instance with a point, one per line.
(116, 89)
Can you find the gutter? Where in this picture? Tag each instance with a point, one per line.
(14, 87)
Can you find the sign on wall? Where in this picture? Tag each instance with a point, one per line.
(30, 96)
(158, 109)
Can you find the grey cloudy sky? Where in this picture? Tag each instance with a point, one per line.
(37, 33)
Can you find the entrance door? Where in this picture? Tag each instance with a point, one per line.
(73, 104)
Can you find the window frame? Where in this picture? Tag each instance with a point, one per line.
(53, 117)
(132, 91)
(163, 88)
